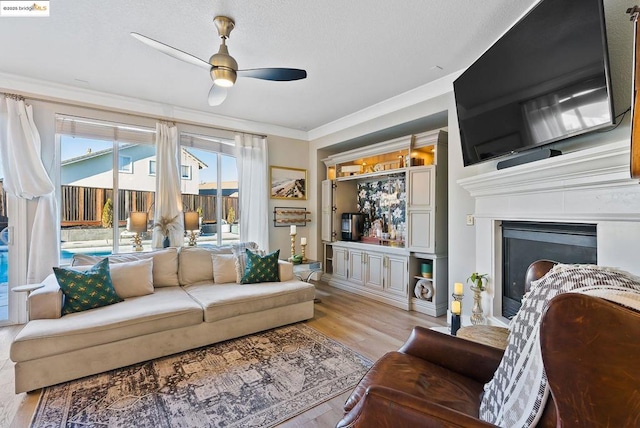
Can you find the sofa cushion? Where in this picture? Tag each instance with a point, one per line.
(88, 289)
(421, 379)
(168, 308)
(229, 300)
(240, 252)
(261, 268)
(165, 264)
(224, 268)
(133, 279)
(195, 266)
(130, 279)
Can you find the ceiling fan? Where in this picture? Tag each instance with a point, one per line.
(222, 66)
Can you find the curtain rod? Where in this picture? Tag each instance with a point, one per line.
(162, 119)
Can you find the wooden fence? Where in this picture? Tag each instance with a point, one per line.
(83, 206)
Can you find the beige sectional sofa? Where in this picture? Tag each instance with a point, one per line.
(177, 306)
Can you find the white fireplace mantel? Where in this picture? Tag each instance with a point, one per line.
(587, 186)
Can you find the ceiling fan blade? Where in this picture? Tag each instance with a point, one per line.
(172, 52)
(279, 74)
(217, 95)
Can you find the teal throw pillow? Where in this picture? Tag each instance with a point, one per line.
(86, 289)
(261, 268)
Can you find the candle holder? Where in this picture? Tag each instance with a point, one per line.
(455, 324)
(456, 318)
(293, 247)
(304, 256)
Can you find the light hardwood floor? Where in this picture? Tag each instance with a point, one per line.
(366, 326)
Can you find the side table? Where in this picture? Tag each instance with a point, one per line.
(305, 271)
(491, 335)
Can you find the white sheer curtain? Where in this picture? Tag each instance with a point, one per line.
(168, 203)
(25, 177)
(253, 184)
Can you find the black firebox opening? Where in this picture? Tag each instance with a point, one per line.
(525, 242)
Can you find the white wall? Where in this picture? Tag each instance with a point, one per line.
(292, 153)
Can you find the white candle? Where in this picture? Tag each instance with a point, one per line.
(303, 241)
(293, 229)
(457, 288)
(455, 307)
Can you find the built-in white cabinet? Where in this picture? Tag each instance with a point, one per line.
(380, 268)
(427, 198)
(377, 272)
(428, 293)
(340, 265)
(326, 216)
(422, 187)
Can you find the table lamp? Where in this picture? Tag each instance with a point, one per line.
(138, 224)
(192, 223)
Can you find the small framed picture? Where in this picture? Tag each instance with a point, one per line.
(288, 183)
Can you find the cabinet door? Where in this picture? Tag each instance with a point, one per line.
(357, 263)
(327, 210)
(397, 276)
(421, 231)
(340, 263)
(421, 187)
(374, 271)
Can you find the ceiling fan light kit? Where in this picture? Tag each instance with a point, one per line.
(222, 66)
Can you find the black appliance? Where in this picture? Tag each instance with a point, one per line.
(352, 226)
(546, 79)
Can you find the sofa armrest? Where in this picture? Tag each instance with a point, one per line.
(386, 407)
(285, 270)
(46, 302)
(470, 359)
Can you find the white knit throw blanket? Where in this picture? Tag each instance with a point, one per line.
(518, 392)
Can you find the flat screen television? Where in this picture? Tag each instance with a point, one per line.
(545, 80)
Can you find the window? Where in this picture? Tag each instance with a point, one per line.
(124, 164)
(213, 187)
(99, 186)
(185, 172)
(109, 170)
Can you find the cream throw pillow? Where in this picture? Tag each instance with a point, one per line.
(165, 264)
(130, 279)
(240, 257)
(224, 268)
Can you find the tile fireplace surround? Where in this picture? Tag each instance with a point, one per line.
(586, 186)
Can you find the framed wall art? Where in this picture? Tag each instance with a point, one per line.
(288, 183)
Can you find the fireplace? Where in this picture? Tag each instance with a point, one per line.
(524, 242)
(590, 186)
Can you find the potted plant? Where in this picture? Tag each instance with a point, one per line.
(165, 225)
(479, 281)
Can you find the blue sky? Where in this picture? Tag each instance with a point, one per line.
(72, 147)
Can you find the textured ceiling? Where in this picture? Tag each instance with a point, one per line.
(357, 53)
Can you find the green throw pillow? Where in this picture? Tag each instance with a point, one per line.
(261, 268)
(88, 289)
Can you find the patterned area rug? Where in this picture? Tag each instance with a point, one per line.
(254, 381)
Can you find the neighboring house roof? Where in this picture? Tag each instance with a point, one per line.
(214, 185)
(122, 148)
(229, 188)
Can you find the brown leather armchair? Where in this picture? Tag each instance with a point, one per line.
(590, 349)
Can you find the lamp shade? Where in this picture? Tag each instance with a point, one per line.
(191, 221)
(138, 221)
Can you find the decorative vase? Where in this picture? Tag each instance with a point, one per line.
(477, 315)
(166, 242)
